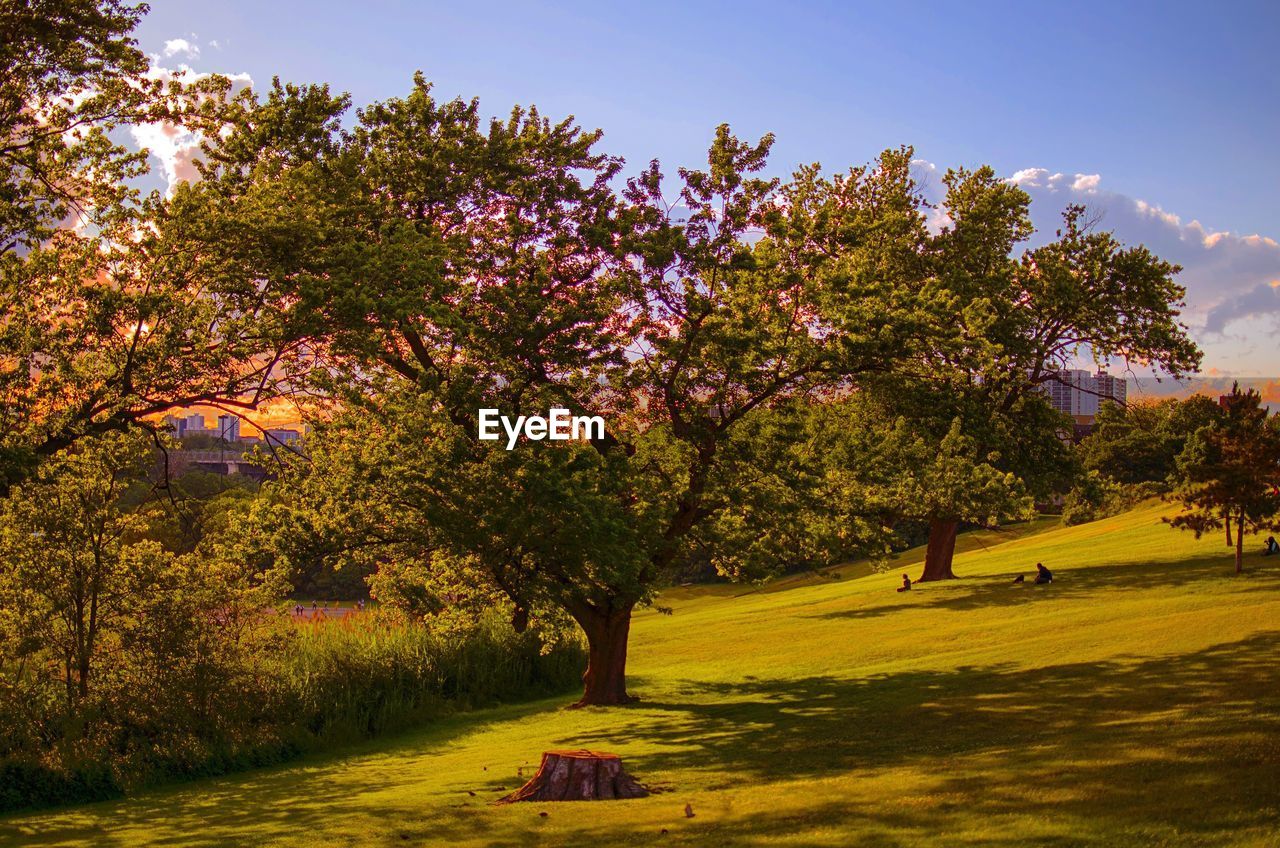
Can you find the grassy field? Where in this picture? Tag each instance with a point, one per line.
(1136, 701)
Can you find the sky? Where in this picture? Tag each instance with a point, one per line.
(1163, 117)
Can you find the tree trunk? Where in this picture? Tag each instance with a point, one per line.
(1239, 544)
(578, 776)
(1227, 522)
(605, 681)
(941, 550)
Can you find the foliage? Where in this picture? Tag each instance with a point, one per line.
(457, 268)
(998, 327)
(74, 561)
(122, 663)
(891, 466)
(108, 314)
(1231, 472)
(72, 74)
(1094, 496)
(374, 673)
(1140, 442)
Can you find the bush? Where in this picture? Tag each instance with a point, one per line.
(1096, 497)
(290, 689)
(184, 670)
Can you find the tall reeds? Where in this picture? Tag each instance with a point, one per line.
(369, 673)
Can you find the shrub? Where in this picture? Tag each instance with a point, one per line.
(283, 691)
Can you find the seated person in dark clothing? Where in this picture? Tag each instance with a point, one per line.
(906, 584)
(1043, 575)
(1272, 546)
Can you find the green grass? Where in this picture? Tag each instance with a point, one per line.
(1134, 702)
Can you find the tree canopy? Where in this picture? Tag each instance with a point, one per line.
(1231, 472)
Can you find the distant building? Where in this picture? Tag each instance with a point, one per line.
(1080, 394)
(187, 425)
(229, 428)
(281, 437)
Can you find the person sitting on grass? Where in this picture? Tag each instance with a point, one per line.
(906, 584)
(1043, 575)
(1272, 546)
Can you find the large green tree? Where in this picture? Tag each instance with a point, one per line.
(1012, 323)
(459, 266)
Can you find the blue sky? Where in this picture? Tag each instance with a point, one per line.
(1169, 112)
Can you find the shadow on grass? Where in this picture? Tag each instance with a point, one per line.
(1068, 583)
(1174, 750)
(1171, 750)
(1187, 744)
(290, 800)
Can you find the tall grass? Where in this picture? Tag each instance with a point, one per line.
(303, 687)
(369, 673)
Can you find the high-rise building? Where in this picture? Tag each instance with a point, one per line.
(194, 425)
(1080, 394)
(229, 428)
(188, 425)
(1109, 387)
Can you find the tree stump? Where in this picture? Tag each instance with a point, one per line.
(578, 776)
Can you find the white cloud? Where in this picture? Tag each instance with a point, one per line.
(176, 46)
(174, 146)
(1231, 279)
(1228, 276)
(1086, 182)
(1029, 178)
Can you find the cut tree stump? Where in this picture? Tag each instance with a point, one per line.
(578, 776)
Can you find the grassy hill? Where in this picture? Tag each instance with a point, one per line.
(1136, 701)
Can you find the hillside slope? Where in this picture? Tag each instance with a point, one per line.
(1136, 701)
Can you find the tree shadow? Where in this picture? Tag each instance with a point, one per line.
(1186, 743)
(1068, 583)
(1170, 750)
(293, 800)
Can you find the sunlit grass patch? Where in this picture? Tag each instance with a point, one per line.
(1136, 701)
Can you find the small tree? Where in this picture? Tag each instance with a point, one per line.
(1231, 472)
(72, 561)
